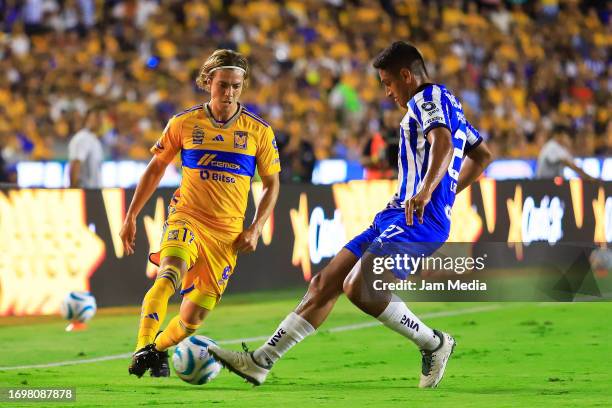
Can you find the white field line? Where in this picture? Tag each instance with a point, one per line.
(336, 329)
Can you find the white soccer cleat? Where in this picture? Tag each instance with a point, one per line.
(241, 363)
(434, 362)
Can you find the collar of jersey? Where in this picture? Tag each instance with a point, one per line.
(423, 86)
(225, 125)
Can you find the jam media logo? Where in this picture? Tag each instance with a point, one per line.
(197, 135)
(240, 140)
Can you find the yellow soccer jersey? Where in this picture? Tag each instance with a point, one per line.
(218, 162)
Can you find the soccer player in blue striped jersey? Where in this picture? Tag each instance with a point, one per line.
(440, 154)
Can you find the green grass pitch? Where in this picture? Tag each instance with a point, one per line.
(508, 355)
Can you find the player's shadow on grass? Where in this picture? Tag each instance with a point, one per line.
(199, 388)
(492, 391)
(399, 383)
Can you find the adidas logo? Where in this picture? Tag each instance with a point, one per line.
(152, 316)
(218, 138)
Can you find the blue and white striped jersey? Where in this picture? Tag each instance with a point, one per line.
(432, 106)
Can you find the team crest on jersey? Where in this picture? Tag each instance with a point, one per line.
(428, 106)
(173, 235)
(240, 140)
(197, 136)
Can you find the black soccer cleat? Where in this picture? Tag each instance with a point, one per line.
(162, 367)
(145, 358)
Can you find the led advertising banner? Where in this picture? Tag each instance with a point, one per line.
(61, 240)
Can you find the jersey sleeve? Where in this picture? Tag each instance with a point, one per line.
(77, 148)
(429, 110)
(557, 154)
(472, 139)
(169, 144)
(268, 161)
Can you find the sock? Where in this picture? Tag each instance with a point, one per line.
(400, 319)
(154, 306)
(290, 332)
(176, 331)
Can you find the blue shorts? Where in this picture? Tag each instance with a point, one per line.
(389, 235)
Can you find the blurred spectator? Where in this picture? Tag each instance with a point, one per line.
(519, 67)
(85, 152)
(555, 156)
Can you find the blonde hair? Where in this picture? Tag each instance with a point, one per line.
(221, 58)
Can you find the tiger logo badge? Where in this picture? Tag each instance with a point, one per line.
(240, 140)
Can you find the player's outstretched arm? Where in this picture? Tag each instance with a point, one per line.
(475, 163)
(583, 175)
(75, 169)
(247, 240)
(145, 188)
(440, 155)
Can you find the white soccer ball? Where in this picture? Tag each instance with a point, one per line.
(79, 306)
(192, 361)
(601, 259)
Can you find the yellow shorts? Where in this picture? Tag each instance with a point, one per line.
(210, 262)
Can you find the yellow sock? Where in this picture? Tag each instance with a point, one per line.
(176, 331)
(155, 304)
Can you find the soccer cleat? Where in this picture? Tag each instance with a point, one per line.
(162, 367)
(241, 363)
(434, 362)
(144, 359)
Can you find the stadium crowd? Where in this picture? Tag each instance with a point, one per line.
(521, 68)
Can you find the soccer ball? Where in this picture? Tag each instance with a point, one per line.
(601, 261)
(79, 307)
(192, 361)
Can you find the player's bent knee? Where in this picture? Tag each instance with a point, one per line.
(315, 295)
(192, 313)
(321, 292)
(350, 286)
(172, 273)
(314, 287)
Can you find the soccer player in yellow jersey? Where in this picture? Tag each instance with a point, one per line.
(220, 144)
